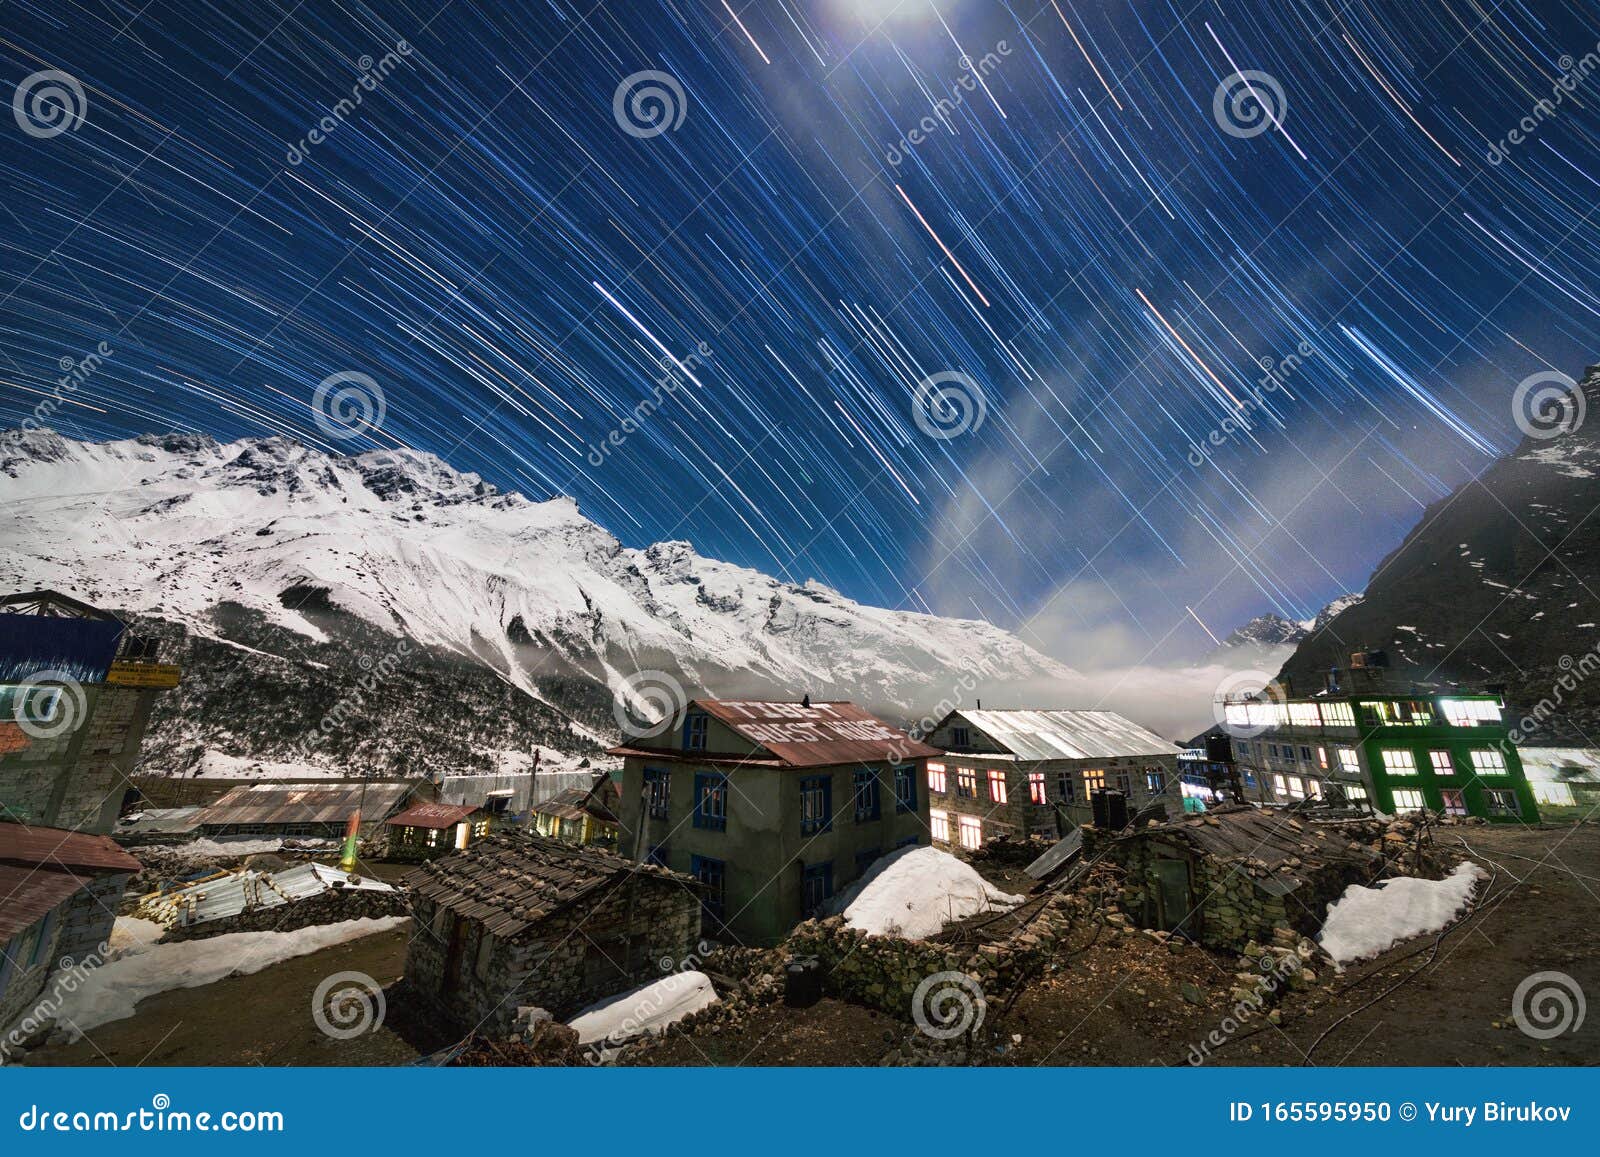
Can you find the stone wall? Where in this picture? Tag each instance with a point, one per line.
(562, 963)
(331, 907)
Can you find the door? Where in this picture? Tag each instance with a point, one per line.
(1172, 893)
(450, 979)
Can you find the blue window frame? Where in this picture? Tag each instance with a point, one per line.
(694, 731)
(866, 794)
(713, 877)
(905, 788)
(711, 801)
(864, 859)
(658, 789)
(816, 886)
(816, 804)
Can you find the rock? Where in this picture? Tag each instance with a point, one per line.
(1192, 993)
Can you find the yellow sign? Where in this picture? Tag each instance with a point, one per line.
(161, 675)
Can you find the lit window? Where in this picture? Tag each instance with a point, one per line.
(1455, 803)
(711, 802)
(1349, 762)
(1488, 763)
(997, 785)
(1093, 781)
(971, 832)
(1337, 715)
(936, 777)
(1279, 785)
(1297, 787)
(1237, 713)
(1303, 714)
(1407, 800)
(1399, 762)
(694, 731)
(1156, 781)
(966, 783)
(1470, 712)
(939, 825)
(1036, 788)
(1354, 791)
(1441, 763)
(1322, 758)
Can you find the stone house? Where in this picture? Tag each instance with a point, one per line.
(771, 806)
(1235, 873)
(59, 892)
(520, 919)
(1024, 774)
(425, 830)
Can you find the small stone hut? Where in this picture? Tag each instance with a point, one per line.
(520, 919)
(1233, 874)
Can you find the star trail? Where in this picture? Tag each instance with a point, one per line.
(1110, 323)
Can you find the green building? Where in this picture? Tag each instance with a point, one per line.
(1448, 752)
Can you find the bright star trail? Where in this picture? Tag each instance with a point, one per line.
(1066, 204)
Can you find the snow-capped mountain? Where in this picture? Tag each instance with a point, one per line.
(285, 573)
(1270, 630)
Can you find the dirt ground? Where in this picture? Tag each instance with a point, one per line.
(1127, 1000)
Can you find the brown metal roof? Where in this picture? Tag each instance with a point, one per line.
(273, 803)
(30, 847)
(511, 880)
(432, 815)
(815, 734)
(575, 802)
(27, 893)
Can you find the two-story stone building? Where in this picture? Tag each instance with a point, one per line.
(771, 806)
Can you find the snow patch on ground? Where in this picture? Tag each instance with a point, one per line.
(915, 892)
(232, 847)
(1365, 921)
(113, 991)
(130, 932)
(647, 1009)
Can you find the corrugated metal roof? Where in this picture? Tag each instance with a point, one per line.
(252, 890)
(52, 847)
(160, 821)
(816, 735)
(28, 893)
(1068, 734)
(273, 803)
(432, 815)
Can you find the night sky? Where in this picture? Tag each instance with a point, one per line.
(1076, 219)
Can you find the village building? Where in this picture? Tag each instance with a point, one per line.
(583, 815)
(304, 810)
(1234, 874)
(1022, 774)
(76, 690)
(771, 806)
(1396, 750)
(59, 892)
(425, 830)
(521, 920)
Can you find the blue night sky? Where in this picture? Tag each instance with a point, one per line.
(1043, 206)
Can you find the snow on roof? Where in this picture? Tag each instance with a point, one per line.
(914, 892)
(1068, 734)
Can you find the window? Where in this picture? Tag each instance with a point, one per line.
(1455, 803)
(1272, 750)
(816, 886)
(1488, 763)
(1280, 786)
(1297, 787)
(939, 825)
(694, 731)
(1337, 715)
(960, 737)
(971, 832)
(936, 777)
(1502, 803)
(816, 804)
(1407, 800)
(1303, 714)
(1470, 712)
(1155, 781)
(866, 794)
(1121, 779)
(1065, 788)
(711, 801)
(658, 791)
(1349, 762)
(1036, 793)
(1354, 792)
(713, 876)
(905, 788)
(864, 859)
(1441, 762)
(1322, 758)
(1305, 755)
(1093, 781)
(966, 783)
(1399, 762)
(997, 785)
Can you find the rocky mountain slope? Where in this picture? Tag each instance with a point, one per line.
(385, 612)
(1497, 583)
